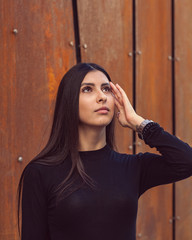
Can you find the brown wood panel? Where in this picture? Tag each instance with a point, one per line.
(33, 62)
(8, 72)
(183, 93)
(154, 101)
(106, 39)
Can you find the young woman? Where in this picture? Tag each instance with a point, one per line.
(78, 187)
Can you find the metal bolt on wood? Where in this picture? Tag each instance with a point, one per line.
(170, 58)
(20, 159)
(130, 147)
(139, 52)
(71, 43)
(139, 235)
(15, 31)
(174, 218)
(85, 46)
(130, 54)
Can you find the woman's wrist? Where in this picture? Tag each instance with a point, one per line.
(136, 122)
(143, 128)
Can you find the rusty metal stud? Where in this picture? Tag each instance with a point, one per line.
(71, 43)
(130, 147)
(139, 235)
(85, 46)
(15, 31)
(130, 54)
(20, 159)
(174, 218)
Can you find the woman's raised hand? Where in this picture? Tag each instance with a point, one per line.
(126, 114)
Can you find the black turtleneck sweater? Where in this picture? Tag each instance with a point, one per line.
(109, 210)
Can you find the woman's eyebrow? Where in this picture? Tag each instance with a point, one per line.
(92, 84)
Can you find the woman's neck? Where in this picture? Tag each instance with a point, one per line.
(91, 138)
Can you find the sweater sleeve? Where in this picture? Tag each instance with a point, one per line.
(173, 164)
(34, 206)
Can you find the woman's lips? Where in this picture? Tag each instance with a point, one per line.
(102, 110)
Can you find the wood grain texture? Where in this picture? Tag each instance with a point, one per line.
(183, 98)
(154, 101)
(33, 62)
(7, 123)
(106, 28)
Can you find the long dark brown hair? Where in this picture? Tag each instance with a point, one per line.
(64, 136)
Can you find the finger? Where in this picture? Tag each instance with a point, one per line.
(116, 92)
(121, 90)
(118, 105)
(113, 93)
(129, 110)
(124, 95)
(114, 89)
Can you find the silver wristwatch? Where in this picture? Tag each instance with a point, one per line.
(141, 127)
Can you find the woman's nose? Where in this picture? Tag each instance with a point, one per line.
(101, 97)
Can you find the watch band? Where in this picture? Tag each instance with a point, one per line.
(142, 126)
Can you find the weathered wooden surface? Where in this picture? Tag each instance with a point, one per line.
(154, 101)
(33, 61)
(106, 39)
(183, 99)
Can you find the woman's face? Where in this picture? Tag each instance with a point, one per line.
(96, 102)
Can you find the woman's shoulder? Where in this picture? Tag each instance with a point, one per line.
(123, 157)
(36, 166)
(46, 175)
(35, 171)
(42, 168)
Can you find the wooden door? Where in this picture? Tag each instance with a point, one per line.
(183, 109)
(35, 53)
(154, 101)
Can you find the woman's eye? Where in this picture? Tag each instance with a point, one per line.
(86, 89)
(106, 89)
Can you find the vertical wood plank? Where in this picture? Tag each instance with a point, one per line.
(8, 73)
(154, 101)
(33, 63)
(183, 94)
(106, 29)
